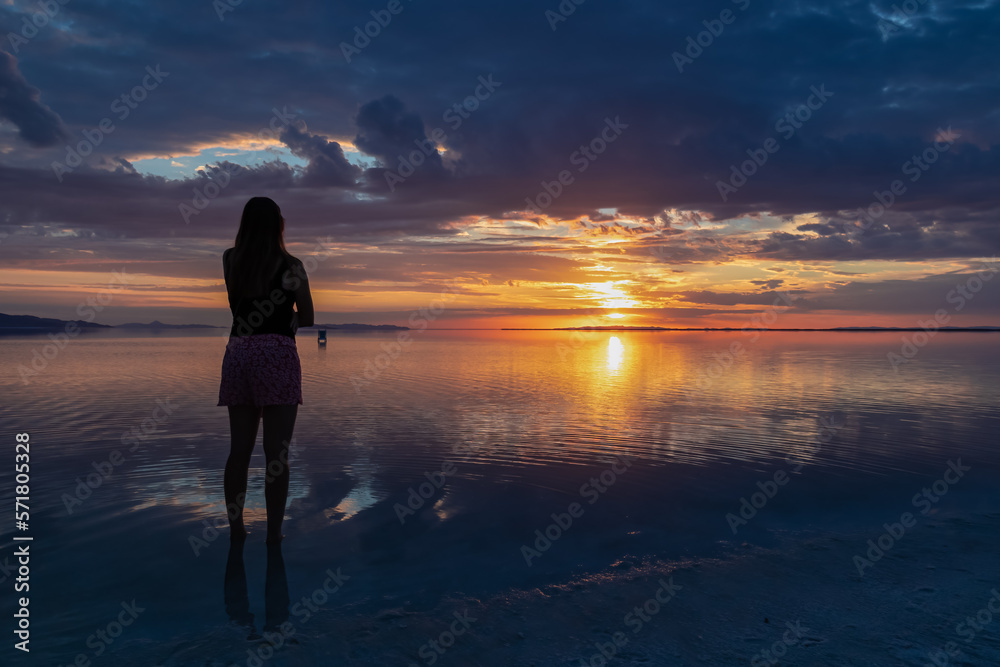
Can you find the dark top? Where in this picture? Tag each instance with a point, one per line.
(267, 313)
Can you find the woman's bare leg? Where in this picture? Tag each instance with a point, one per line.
(243, 423)
(279, 422)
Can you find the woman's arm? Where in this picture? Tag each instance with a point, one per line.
(225, 265)
(303, 297)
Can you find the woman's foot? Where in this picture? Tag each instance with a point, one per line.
(238, 534)
(274, 539)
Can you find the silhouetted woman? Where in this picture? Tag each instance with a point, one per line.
(261, 375)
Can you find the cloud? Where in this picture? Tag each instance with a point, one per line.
(20, 104)
(386, 130)
(891, 98)
(978, 293)
(327, 164)
(740, 298)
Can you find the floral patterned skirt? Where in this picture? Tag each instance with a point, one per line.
(259, 370)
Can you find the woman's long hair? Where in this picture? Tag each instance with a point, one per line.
(260, 247)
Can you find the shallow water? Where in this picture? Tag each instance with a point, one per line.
(525, 423)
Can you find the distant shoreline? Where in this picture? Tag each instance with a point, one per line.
(29, 323)
(836, 329)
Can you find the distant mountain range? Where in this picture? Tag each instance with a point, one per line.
(50, 323)
(156, 324)
(22, 322)
(32, 322)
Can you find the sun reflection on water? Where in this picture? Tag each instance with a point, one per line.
(616, 352)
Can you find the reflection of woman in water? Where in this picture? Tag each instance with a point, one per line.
(276, 600)
(261, 376)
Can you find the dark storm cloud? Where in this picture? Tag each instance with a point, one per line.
(20, 104)
(387, 131)
(890, 91)
(327, 164)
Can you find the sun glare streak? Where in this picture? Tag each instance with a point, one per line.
(611, 295)
(616, 353)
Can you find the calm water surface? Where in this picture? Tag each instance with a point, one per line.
(526, 419)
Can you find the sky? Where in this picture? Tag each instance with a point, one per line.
(508, 164)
